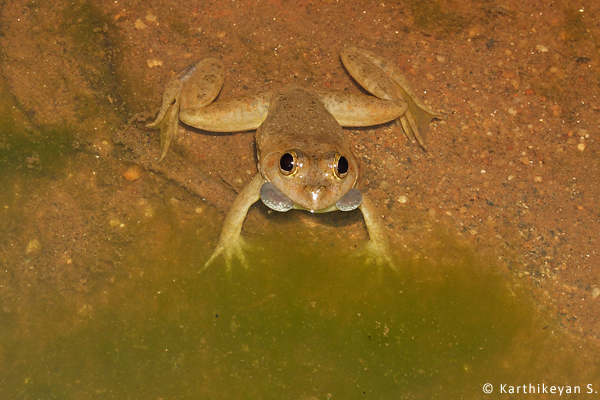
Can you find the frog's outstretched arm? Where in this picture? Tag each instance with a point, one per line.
(377, 248)
(231, 242)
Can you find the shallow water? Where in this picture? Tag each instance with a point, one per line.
(306, 320)
(99, 285)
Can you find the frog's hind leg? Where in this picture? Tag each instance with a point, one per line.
(198, 85)
(385, 81)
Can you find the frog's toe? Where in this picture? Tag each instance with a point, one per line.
(412, 130)
(168, 122)
(377, 253)
(231, 249)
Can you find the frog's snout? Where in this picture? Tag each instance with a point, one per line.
(315, 191)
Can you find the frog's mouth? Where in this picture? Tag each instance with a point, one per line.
(275, 200)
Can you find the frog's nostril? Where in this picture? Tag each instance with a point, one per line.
(315, 191)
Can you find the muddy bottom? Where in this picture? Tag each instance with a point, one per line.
(306, 320)
(494, 229)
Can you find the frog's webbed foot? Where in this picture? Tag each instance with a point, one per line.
(411, 129)
(230, 248)
(377, 249)
(231, 244)
(168, 122)
(197, 85)
(385, 81)
(377, 253)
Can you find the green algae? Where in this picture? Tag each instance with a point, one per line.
(304, 320)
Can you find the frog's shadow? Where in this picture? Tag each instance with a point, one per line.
(260, 218)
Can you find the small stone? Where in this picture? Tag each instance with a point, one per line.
(537, 178)
(440, 58)
(595, 292)
(34, 245)
(581, 146)
(402, 199)
(133, 173)
(512, 111)
(154, 63)
(139, 24)
(150, 17)
(541, 48)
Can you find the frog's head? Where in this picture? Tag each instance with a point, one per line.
(318, 182)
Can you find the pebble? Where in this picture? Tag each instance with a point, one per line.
(139, 24)
(541, 48)
(133, 173)
(154, 63)
(402, 199)
(34, 245)
(595, 292)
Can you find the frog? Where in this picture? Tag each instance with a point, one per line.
(304, 159)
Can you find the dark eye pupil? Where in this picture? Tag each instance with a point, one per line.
(287, 162)
(342, 166)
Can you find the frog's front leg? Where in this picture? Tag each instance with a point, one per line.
(189, 97)
(231, 242)
(385, 81)
(377, 248)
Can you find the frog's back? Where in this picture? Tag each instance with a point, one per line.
(298, 119)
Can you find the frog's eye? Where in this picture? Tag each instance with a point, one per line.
(288, 164)
(341, 167)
